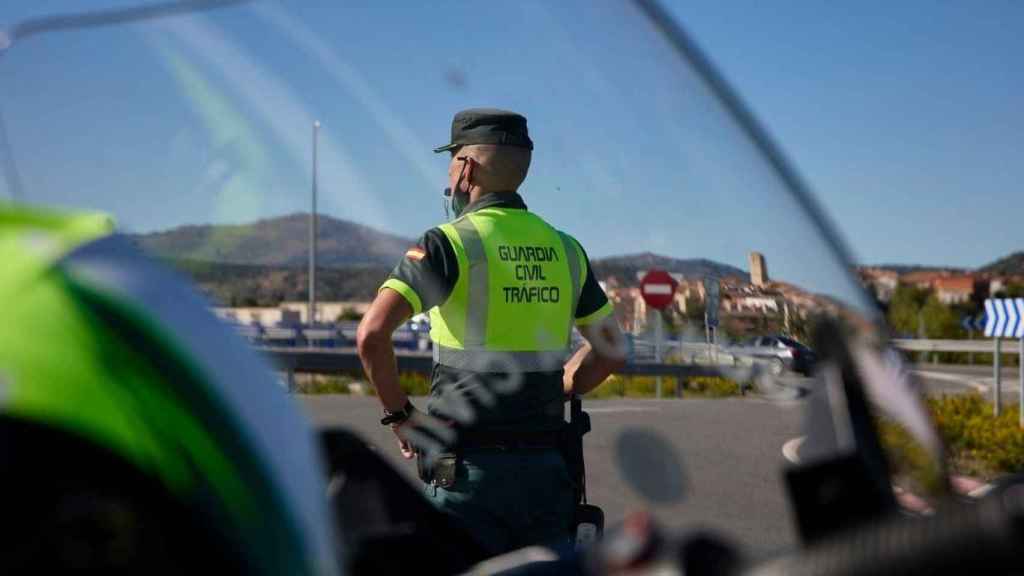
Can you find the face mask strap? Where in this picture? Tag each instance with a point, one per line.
(451, 193)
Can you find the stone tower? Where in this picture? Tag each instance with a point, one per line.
(758, 269)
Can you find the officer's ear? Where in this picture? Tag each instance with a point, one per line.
(471, 171)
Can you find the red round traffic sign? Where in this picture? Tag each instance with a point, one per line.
(658, 288)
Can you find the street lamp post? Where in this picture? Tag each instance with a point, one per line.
(312, 234)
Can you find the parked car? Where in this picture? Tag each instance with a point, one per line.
(780, 353)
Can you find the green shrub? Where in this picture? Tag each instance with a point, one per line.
(316, 384)
(617, 386)
(613, 387)
(978, 442)
(908, 460)
(712, 386)
(414, 383)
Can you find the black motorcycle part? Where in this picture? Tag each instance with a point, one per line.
(379, 512)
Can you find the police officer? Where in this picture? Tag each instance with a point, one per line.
(504, 290)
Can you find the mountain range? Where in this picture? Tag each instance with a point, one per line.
(282, 241)
(264, 262)
(628, 266)
(1010, 265)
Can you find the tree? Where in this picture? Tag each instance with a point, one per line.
(1010, 291)
(940, 321)
(905, 308)
(800, 326)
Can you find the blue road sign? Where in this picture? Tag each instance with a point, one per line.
(1004, 317)
(973, 322)
(712, 297)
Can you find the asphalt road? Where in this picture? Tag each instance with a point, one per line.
(729, 450)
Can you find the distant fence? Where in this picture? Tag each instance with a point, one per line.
(345, 360)
(340, 360)
(978, 346)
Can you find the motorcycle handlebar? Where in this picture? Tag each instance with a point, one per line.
(983, 538)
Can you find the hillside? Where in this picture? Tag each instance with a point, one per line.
(282, 241)
(1012, 265)
(262, 285)
(627, 267)
(264, 263)
(248, 285)
(908, 268)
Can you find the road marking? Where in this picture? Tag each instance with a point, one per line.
(789, 449)
(959, 379)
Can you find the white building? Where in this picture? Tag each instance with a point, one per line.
(290, 313)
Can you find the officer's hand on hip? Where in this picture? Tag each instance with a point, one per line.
(403, 444)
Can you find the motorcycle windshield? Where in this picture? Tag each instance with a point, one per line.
(211, 137)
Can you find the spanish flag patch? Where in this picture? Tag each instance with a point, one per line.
(415, 254)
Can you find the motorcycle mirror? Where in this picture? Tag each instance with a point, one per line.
(650, 465)
(868, 438)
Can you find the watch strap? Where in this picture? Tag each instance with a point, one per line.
(391, 418)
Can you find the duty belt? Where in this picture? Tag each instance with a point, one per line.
(488, 440)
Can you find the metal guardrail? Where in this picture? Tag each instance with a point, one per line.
(979, 346)
(338, 360)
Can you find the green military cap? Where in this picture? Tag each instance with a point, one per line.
(488, 126)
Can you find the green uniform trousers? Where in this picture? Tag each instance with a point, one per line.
(510, 499)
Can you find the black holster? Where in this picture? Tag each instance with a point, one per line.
(572, 448)
(588, 520)
(441, 471)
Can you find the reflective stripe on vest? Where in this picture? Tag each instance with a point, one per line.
(572, 255)
(476, 309)
(481, 360)
(525, 334)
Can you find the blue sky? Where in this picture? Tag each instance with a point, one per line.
(899, 115)
(904, 116)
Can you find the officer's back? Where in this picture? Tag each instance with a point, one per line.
(504, 290)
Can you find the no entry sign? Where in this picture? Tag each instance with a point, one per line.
(657, 287)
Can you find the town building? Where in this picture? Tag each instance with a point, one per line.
(923, 279)
(955, 289)
(290, 313)
(880, 281)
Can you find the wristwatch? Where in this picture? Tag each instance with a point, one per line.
(392, 418)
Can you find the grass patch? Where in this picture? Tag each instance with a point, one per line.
(646, 387)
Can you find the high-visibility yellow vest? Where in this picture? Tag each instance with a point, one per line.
(513, 305)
